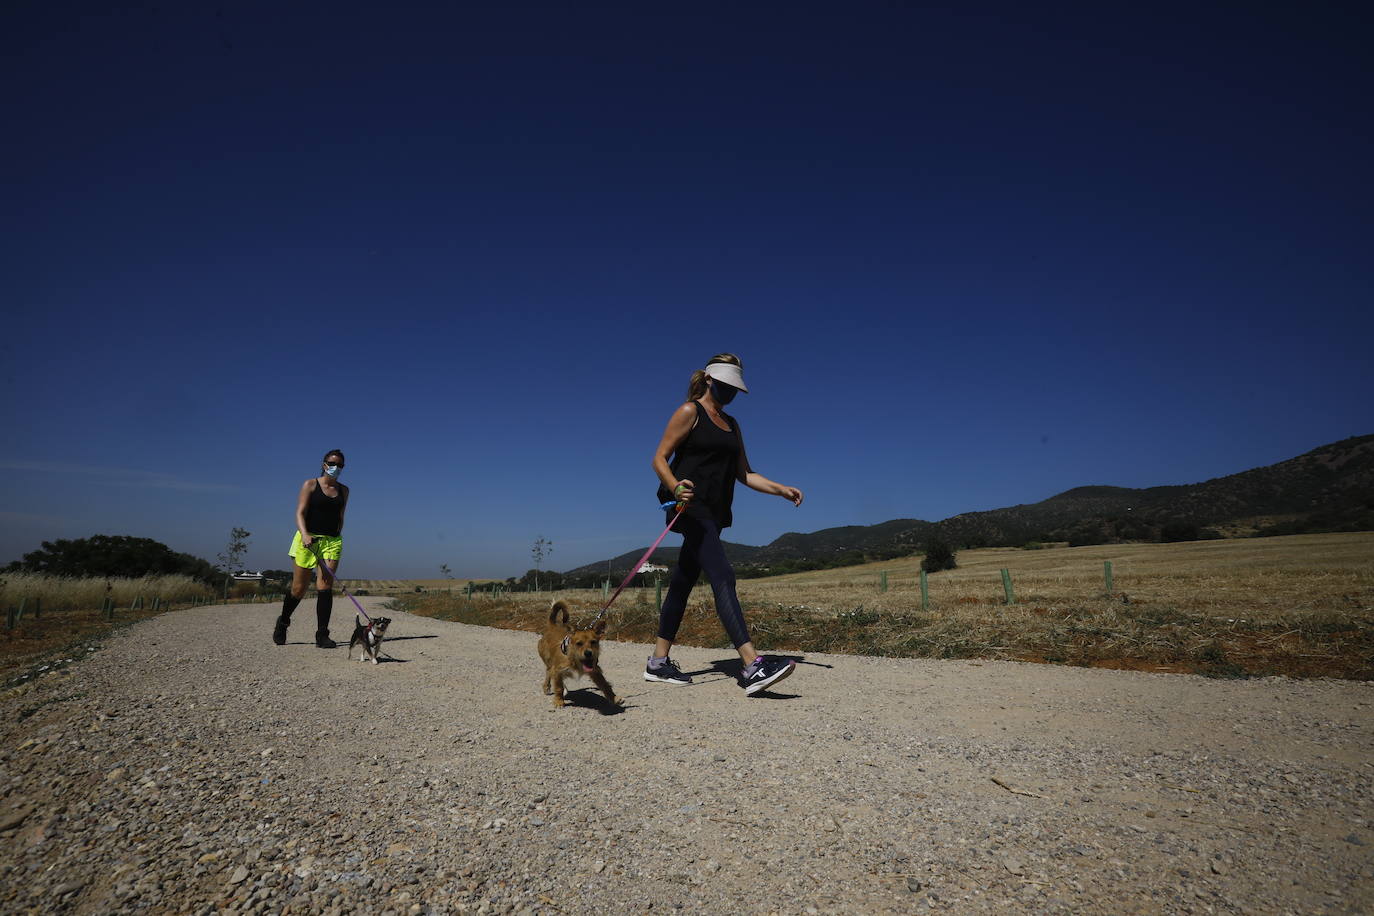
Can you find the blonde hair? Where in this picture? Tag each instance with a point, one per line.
(701, 381)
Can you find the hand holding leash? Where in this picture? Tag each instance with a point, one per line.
(329, 574)
(680, 504)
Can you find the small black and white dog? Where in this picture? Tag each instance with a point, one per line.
(369, 636)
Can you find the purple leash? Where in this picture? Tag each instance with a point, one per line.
(329, 573)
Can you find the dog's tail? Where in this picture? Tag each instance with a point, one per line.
(558, 609)
(359, 619)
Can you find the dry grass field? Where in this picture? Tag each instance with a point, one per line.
(1300, 606)
(63, 593)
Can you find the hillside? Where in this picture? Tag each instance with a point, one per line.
(1330, 488)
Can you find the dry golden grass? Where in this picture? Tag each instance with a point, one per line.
(1252, 578)
(64, 593)
(1301, 605)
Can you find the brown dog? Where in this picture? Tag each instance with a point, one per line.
(571, 653)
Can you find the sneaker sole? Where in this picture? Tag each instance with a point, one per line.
(665, 680)
(761, 685)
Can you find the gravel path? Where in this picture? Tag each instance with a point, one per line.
(189, 765)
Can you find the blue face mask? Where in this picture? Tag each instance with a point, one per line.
(723, 393)
(332, 472)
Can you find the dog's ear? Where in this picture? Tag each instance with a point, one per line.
(600, 627)
(558, 609)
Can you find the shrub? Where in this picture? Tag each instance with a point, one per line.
(118, 556)
(939, 555)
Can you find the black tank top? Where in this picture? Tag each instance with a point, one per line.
(324, 514)
(709, 458)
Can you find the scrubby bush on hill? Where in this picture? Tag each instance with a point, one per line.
(939, 555)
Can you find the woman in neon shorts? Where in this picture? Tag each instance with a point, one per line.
(319, 523)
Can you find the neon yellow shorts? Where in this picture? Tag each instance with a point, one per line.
(330, 547)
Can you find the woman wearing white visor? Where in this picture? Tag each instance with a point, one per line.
(698, 461)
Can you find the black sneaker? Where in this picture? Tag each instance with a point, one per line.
(322, 641)
(765, 672)
(279, 632)
(665, 672)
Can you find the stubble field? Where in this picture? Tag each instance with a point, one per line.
(1299, 606)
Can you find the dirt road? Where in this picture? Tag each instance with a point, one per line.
(189, 765)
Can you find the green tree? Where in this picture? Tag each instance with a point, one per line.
(104, 555)
(939, 555)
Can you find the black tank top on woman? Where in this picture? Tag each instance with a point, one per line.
(709, 458)
(324, 514)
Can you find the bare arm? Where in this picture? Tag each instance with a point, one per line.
(756, 481)
(343, 508)
(306, 489)
(679, 425)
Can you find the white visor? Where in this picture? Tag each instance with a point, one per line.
(728, 373)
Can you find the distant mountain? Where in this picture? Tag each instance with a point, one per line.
(1328, 489)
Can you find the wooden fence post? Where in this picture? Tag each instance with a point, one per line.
(1006, 586)
(925, 592)
(1107, 574)
(658, 593)
(9, 617)
(23, 602)
(37, 608)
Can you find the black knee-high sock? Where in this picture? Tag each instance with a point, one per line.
(324, 606)
(288, 606)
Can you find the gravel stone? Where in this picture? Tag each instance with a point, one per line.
(188, 765)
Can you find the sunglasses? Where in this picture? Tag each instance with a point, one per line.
(331, 464)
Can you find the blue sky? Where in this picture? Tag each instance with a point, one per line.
(971, 258)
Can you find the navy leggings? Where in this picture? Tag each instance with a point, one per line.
(702, 551)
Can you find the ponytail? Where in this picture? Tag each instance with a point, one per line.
(700, 381)
(696, 388)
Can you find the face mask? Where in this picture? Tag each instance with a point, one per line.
(332, 472)
(723, 393)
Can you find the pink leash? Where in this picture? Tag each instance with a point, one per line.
(329, 574)
(648, 553)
